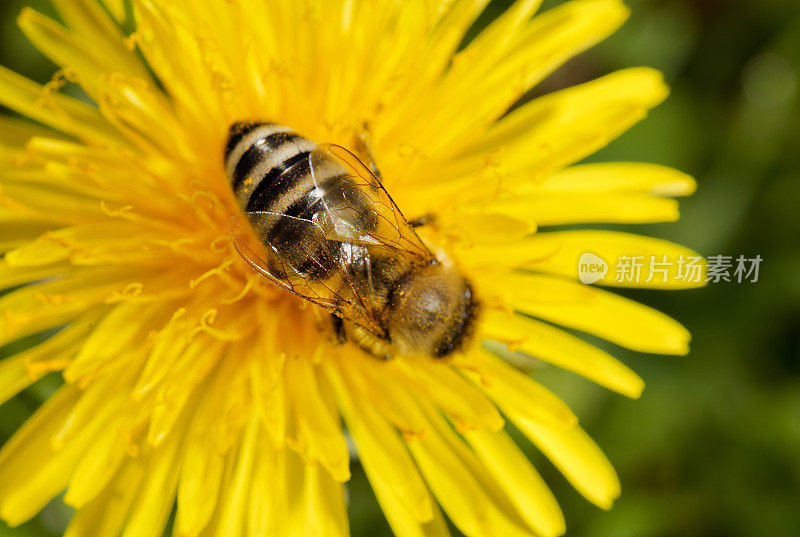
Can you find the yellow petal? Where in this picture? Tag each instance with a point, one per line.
(116, 333)
(559, 34)
(203, 464)
(45, 203)
(62, 46)
(23, 492)
(122, 89)
(492, 228)
(316, 501)
(97, 466)
(268, 503)
(384, 456)
(514, 390)
(106, 514)
(463, 486)
(319, 433)
(379, 383)
(47, 305)
(445, 38)
(230, 406)
(595, 311)
(220, 410)
(559, 348)
(577, 457)
(565, 126)
(63, 113)
(93, 25)
(630, 177)
(232, 517)
(403, 525)
(86, 244)
(153, 504)
(108, 393)
(181, 75)
(456, 490)
(42, 251)
(179, 383)
(272, 406)
(14, 377)
(495, 40)
(521, 482)
(117, 9)
(11, 277)
(463, 403)
(499, 66)
(21, 370)
(491, 256)
(21, 225)
(458, 87)
(170, 342)
(408, 29)
(15, 132)
(266, 379)
(552, 209)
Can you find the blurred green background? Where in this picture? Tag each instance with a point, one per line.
(713, 446)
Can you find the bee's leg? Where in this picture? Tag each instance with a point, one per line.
(423, 220)
(362, 144)
(374, 345)
(338, 329)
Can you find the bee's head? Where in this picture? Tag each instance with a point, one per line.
(432, 312)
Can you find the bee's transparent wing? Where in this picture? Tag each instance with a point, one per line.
(265, 259)
(287, 264)
(365, 214)
(356, 223)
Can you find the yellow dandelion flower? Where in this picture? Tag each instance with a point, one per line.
(190, 378)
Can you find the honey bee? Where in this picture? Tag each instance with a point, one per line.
(323, 227)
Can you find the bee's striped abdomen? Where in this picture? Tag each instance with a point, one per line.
(269, 169)
(256, 157)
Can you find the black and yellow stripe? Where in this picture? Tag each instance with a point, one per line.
(269, 167)
(257, 157)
